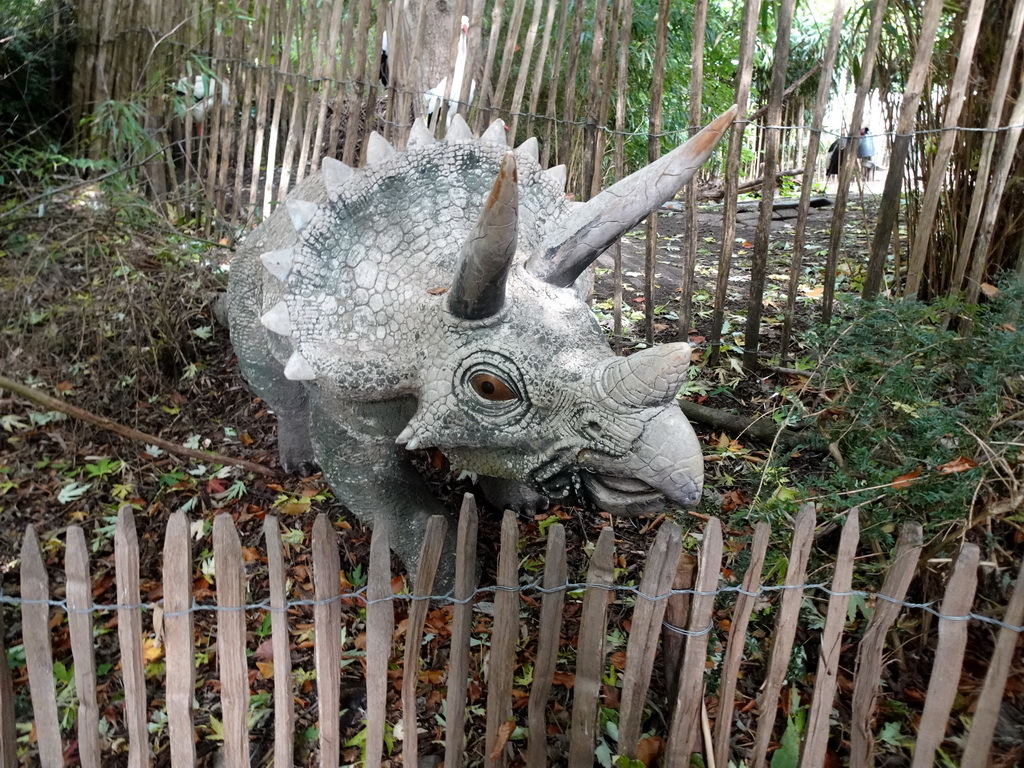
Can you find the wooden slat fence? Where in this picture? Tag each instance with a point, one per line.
(687, 730)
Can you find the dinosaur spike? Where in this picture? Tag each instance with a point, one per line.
(495, 133)
(335, 173)
(276, 319)
(459, 130)
(297, 369)
(301, 213)
(558, 174)
(412, 444)
(574, 244)
(279, 263)
(529, 149)
(479, 287)
(420, 135)
(378, 149)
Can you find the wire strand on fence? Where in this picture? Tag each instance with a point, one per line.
(528, 588)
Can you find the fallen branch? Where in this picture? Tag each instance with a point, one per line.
(132, 434)
(761, 430)
(757, 183)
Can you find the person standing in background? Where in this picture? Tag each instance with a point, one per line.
(865, 151)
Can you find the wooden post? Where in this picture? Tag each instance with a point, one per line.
(653, 153)
(231, 660)
(284, 715)
(689, 260)
(937, 176)
(35, 633)
(430, 555)
(380, 622)
(762, 234)
(179, 640)
(327, 636)
(949, 656)
(504, 633)
(889, 206)
(785, 631)
(869, 655)
(744, 75)
(988, 142)
(813, 144)
(129, 636)
(867, 66)
(79, 595)
(462, 622)
(590, 656)
(555, 578)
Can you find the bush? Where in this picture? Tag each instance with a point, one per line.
(923, 423)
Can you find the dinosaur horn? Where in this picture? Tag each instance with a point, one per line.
(649, 378)
(594, 225)
(479, 287)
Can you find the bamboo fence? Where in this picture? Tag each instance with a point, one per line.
(711, 622)
(234, 103)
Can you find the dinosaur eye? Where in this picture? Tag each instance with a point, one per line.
(490, 387)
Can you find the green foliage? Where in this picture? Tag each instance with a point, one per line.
(35, 59)
(922, 421)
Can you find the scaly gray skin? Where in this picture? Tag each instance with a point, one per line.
(433, 299)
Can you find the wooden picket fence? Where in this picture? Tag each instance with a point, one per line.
(684, 653)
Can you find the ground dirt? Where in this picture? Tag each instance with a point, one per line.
(125, 342)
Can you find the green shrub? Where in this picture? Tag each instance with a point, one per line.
(924, 423)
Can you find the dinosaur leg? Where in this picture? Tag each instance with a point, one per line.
(374, 478)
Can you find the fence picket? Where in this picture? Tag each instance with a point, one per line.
(79, 596)
(234, 677)
(785, 631)
(179, 639)
(504, 634)
(8, 735)
(284, 715)
(462, 623)
(737, 641)
(550, 625)
(35, 621)
(949, 655)
(690, 686)
(327, 636)
(430, 555)
(986, 713)
(868, 671)
(816, 739)
(590, 655)
(677, 612)
(380, 621)
(129, 635)
(648, 613)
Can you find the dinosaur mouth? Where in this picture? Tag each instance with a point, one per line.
(625, 496)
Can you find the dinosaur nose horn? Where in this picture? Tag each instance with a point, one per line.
(649, 378)
(598, 223)
(482, 271)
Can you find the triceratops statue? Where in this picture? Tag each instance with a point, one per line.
(432, 299)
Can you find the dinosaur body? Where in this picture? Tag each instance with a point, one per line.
(430, 300)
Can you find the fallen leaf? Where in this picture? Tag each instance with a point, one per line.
(501, 739)
(815, 292)
(264, 650)
(437, 291)
(649, 749)
(959, 464)
(266, 669)
(151, 651)
(904, 481)
(564, 679)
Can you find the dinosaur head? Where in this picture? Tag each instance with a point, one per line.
(526, 387)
